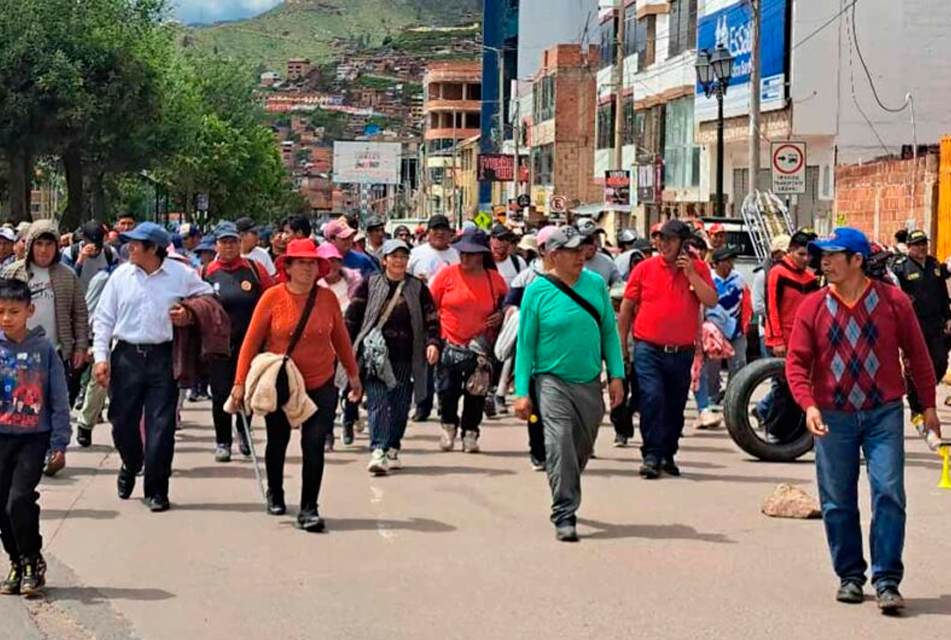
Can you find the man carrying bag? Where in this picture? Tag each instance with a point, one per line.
(567, 331)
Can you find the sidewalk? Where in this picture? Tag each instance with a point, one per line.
(459, 546)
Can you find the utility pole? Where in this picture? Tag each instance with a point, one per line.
(501, 64)
(618, 81)
(755, 93)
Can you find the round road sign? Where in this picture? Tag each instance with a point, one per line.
(788, 159)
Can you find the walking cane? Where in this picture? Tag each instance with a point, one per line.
(246, 425)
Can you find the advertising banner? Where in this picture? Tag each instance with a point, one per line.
(494, 167)
(367, 162)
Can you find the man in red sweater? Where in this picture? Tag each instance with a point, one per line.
(844, 369)
(788, 283)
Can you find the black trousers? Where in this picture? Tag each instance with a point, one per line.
(21, 467)
(142, 383)
(451, 385)
(312, 435)
(937, 343)
(622, 417)
(536, 430)
(221, 374)
(74, 378)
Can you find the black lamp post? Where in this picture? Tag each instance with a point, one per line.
(714, 73)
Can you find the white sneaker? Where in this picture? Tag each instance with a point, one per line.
(709, 419)
(378, 464)
(447, 439)
(393, 460)
(470, 442)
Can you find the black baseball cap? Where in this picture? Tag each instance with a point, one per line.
(438, 221)
(724, 253)
(246, 225)
(501, 232)
(675, 229)
(93, 232)
(375, 222)
(916, 237)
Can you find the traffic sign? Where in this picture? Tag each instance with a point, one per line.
(524, 200)
(788, 167)
(483, 220)
(558, 204)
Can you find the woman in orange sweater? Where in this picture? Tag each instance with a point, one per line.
(323, 342)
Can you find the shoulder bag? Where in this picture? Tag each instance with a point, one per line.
(283, 387)
(376, 355)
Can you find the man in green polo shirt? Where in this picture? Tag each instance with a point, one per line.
(566, 332)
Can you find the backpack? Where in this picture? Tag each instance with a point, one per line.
(111, 257)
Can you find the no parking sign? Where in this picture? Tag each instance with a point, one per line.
(788, 167)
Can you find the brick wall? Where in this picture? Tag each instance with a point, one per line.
(893, 192)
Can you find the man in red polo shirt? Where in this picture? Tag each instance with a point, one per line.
(663, 297)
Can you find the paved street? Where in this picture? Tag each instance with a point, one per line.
(459, 546)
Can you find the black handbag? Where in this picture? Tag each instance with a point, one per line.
(283, 386)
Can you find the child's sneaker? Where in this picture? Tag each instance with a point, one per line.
(11, 586)
(34, 576)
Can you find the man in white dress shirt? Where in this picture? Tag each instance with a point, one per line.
(138, 308)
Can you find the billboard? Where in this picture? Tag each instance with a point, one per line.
(727, 22)
(617, 187)
(494, 167)
(367, 162)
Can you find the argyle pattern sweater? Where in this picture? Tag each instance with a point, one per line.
(844, 358)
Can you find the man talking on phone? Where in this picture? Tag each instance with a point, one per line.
(663, 299)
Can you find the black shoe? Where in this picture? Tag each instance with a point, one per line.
(347, 437)
(275, 503)
(34, 576)
(243, 445)
(490, 407)
(419, 416)
(329, 443)
(650, 470)
(670, 468)
(850, 592)
(11, 586)
(309, 520)
(158, 504)
(83, 436)
(566, 533)
(125, 482)
(890, 601)
(620, 441)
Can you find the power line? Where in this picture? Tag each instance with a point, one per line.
(825, 24)
(868, 74)
(855, 99)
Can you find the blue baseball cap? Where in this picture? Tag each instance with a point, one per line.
(842, 239)
(226, 229)
(207, 244)
(148, 232)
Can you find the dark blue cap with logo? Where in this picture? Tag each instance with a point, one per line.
(226, 229)
(842, 239)
(148, 232)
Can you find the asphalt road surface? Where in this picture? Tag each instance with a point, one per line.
(460, 546)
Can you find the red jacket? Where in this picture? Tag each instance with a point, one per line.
(209, 336)
(786, 287)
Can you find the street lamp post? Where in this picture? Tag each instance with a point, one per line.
(714, 73)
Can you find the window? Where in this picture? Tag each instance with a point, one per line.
(645, 39)
(649, 130)
(605, 132)
(630, 128)
(683, 26)
(437, 174)
(543, 164)
(544, 103)
(681, 154)
(608, 41)
(630, 30)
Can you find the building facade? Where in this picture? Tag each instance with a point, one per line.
(452, 103)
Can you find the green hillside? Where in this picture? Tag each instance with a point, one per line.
(309, 28)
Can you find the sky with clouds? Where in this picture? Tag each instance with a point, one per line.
(212, 10)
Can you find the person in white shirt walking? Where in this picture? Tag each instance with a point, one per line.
(250, 248)
(427, 260)
(138, 308)
(508, 263)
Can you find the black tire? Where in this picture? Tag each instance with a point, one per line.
(736, 414)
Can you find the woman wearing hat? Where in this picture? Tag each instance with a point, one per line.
(323, 341)
(239, 283)
(409, 325)
(468, 297)
(343, 282)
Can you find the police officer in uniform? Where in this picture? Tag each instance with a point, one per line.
(924, 279)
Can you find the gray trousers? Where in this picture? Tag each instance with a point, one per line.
(571, 414)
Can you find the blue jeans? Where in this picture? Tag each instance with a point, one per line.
(388, 409)
(709, 387)
(879, 435)
(664, 382)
